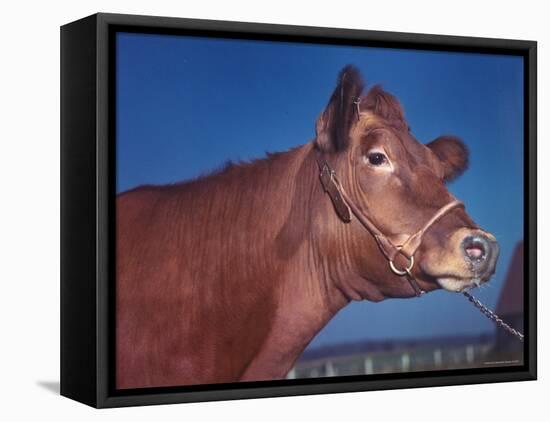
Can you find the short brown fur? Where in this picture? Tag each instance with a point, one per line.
(230, 276)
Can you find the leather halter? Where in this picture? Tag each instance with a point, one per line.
(345, 208)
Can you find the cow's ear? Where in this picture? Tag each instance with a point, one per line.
(335, 122)
(452, 154)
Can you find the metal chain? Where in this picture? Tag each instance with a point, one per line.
(492, 316)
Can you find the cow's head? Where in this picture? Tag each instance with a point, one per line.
(401, 182)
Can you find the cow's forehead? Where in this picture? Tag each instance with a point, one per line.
(369, 121)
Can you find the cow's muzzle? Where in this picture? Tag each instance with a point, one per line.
(481, 252)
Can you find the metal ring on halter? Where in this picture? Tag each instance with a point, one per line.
(404, 271)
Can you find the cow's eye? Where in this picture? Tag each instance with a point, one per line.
(376, 158)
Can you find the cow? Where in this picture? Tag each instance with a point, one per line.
(229, 276)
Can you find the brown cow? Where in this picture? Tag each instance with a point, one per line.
(228, 277)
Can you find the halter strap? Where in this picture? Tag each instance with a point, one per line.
(345, 207)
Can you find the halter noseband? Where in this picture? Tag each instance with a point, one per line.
(345, 208)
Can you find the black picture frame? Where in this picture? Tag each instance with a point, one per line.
(87, 209)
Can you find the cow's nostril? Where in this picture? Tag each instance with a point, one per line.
(475, 248)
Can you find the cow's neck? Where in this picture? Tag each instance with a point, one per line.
(310, 292)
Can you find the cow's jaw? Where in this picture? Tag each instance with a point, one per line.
(458, 285)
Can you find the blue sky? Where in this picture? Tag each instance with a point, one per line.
(185, 105)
